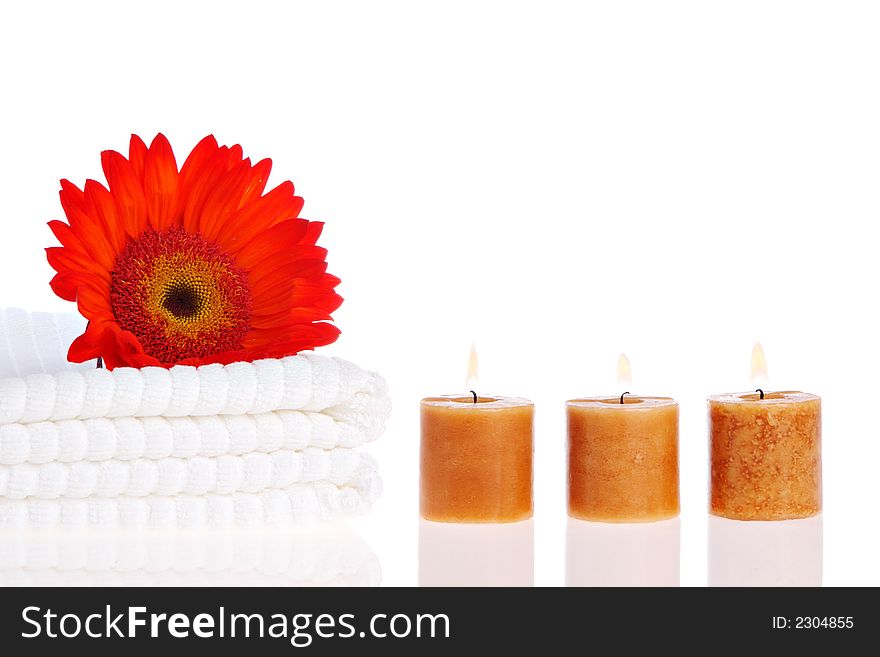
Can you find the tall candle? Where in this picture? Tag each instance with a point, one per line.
(766, 458)
(623, 458)
(476, 459)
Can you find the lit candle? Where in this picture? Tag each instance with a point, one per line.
(766, 453)
(476, 457)
(623, 457)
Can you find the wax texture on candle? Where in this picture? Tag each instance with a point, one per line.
(766, 455)
(623, 459)
(476, 459)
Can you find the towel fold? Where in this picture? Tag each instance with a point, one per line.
(298, 503)
(125, 439)
(198, 475)
(300, 383)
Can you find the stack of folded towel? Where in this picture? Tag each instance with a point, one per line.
(265, 442)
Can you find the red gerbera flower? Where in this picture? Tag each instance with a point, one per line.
(193, 266)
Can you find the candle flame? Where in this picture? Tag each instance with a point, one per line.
(759, 366)
(473, 380)
(624, 371)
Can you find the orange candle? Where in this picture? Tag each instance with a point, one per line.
(766, 457)
(623, 459)
(476, 459)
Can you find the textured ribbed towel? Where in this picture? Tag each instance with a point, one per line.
(299, 383)
(298, 503)
(197, 475)
(125, 439)
(31, 343)
(268, 441)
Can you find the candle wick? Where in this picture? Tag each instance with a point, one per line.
(622, 396)
(760, 391)
(475, 396)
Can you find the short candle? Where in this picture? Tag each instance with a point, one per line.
(623, 458)
(476, 459)
(766, 458)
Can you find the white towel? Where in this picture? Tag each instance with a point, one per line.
(299, 503)
(198, 475)
(300, 383)
(33, 343)
(101, 439)
(262, 442)
(327, 556)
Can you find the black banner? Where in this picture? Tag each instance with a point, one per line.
(431, 621)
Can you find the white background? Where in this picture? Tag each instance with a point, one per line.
(559, 182)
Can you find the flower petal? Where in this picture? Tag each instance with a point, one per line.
(66, 236)
(255, 218)
(234, 156)
(223, 200)
(199, 185)
(87, 346)
(257, 183)
(101, 206)
(272, 240)
(88, 229)
(198, 157)
(126, 189)
(161, 184)
(137, 155)
(70, 262)
(64, 287)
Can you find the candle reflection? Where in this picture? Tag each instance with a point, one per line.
(625, 554)
(332, 555)
(453, 554)
(765, 553)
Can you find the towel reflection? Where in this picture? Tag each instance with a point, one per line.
(631, 554)
(332, 555)
(771, 553)
(476, 554)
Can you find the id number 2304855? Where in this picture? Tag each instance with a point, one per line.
(813, 622)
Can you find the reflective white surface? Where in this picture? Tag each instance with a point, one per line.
(779, 553)
(453, 554)
(332, 555)
(626, 554)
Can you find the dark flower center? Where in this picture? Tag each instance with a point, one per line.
(182, 301)
(180, 296)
